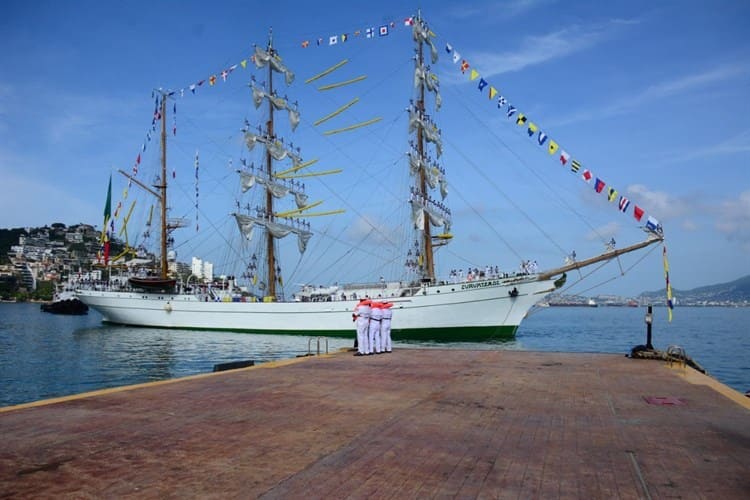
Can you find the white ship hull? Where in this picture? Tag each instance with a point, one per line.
(479, 310)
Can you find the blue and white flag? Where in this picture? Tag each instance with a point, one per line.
(541, 137)
(653, 224)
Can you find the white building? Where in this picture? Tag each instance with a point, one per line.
(202, 269)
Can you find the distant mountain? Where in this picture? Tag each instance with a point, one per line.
(736, 291)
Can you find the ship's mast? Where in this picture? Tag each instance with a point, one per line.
(270, 256)
(163, 186)
(428, 271)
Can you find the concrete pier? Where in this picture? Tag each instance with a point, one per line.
(411, 424)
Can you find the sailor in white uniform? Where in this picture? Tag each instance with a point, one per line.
(362, 315)
(385, 327)
(376, 316)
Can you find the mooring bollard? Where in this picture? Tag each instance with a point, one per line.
(649, 319)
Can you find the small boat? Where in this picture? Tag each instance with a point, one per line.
(153, 283)
(65, 302)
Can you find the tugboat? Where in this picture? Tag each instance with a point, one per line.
(65, 302)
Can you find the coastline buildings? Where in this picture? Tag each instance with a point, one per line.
(58, 252)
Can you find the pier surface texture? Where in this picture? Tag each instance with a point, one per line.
(411, 424)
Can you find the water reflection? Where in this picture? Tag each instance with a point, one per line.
(43, 355)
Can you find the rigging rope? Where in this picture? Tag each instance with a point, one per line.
(637, 262)
(533, 172)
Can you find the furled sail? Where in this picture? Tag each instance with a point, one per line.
(247, 224)
(262, 58)
(438, 214)
(423, 75)
(429, 130)
(421, 34)
(279, 103)
(275, 148)
(434, 174)
(248, 180)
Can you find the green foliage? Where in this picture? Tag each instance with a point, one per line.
(45, 290)
(8, 238)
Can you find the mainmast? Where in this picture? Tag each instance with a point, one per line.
(270, 255)
(427, 210)
(429, 266)
(278, 184)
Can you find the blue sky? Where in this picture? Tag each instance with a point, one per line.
(652, 97)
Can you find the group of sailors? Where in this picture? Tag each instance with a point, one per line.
(373, 327)
(428, 201)
(471, 274)
(529, 267)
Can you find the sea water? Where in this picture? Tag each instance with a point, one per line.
(44, 355)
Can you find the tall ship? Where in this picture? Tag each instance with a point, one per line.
(476, 306)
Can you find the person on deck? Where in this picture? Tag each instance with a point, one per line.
(362, 317)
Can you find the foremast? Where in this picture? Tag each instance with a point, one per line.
(163, 189)
(428, 174)
(159, 191)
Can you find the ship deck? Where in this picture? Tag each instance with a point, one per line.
(414, 423)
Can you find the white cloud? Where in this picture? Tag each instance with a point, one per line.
(536, 50)
(496, 11)
(739, 143)
(370, 228)
(604, 232)
(662, 90)
(662, 205)
(690, 225)
(539, 49)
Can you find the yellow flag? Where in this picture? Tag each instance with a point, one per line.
(553, 147)
(532, 129)
(521, 119)
(474, 74)
(493, 92)
(243, 63)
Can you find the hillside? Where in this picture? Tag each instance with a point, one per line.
(737, 291)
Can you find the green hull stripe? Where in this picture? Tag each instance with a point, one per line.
(462, 334)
